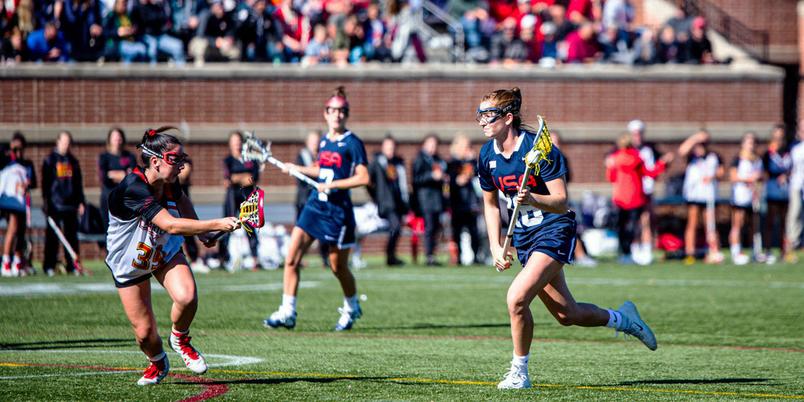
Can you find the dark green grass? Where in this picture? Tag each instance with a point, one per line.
(427, 334)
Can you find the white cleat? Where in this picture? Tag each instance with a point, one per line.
(155, 373)
(348, 318)
(193, 359)
(281, 318)
(740, 259)
(515, 379)
(633, 325)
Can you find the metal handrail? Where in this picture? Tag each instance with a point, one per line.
(453, 24)
(731, 28)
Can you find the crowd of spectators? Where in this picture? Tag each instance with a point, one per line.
(341, 31)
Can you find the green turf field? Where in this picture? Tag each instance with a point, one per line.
(724, 333)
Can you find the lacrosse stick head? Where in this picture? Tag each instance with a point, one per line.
(541, 147)
(252, 216)
(253, 149)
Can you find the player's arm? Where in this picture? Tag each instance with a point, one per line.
(190, 227)
(491, 213)
(359, 179)
(555, 201)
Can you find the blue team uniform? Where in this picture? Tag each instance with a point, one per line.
(329, 217)
(536, 230)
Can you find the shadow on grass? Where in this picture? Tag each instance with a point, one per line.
(68, 344)
(270, 381)
(699, 381)
(439, 326)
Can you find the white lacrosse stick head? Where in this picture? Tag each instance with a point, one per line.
(253, 149)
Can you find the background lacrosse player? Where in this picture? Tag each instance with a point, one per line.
(328, 216)
(544, 235)
(144, 240)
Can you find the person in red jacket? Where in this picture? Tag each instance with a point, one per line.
(625, 170)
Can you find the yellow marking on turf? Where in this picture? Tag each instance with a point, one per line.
(492, 383)
(9, 364)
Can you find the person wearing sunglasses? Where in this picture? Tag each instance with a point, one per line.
(149, 216)
(329, 215)
(63, 195)
(544, 235)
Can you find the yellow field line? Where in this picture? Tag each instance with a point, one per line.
(490, 383)
(422, 380)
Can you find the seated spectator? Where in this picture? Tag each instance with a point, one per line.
(318, 50)
(506, 47)
(150, 17)
(557, 15)
(215, 40)
(295, 31)
(48, 44)
(12, 48)
(184, 17)
(700, 48)
(582, 45)
(549, 48)
(259, 34)
(668, 49)
(582, 11)
(478, 28)
(121, 37)
(615, 46)
(82, 25)
(527, 35)
(378, 40)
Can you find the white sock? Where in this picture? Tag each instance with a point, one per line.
(735, 249)
(615, 319)
(289, 302)
(520, 362)
(350, 302)
(157, 357)
(175, 332)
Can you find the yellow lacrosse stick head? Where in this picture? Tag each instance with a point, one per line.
(541, 147)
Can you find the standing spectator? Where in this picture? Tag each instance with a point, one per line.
(83, 28)
(777, 163)
(48, 44)
(649, 155)
(113, 166)
(625, 170)
(389, 190)
(215, 39)
(151, 19)
(308, 157)
(428, 181)
(464, 200)
(121, 36)
(240, 178)
(796, 185)
(745, 174)
(700, 193)
(63, 194)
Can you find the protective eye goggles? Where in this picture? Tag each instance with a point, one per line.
(488, 115)
(330, 110)
(171, 158)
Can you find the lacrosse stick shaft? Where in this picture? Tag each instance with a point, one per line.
(66, 244)
(509, 234)
(293, 172)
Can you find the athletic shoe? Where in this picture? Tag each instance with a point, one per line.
(515, 379)
(790, 258)
(586, 262)
(281, 318)
(198, 267)
(770, 259)
(192, 358)
(5, 271)
(689, 260)
(633, 325)
(348, 318)
(740, 259)
(714, 258)
(155, 373)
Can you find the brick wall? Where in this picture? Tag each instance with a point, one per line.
(774, 16)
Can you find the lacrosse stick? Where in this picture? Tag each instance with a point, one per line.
(251, 213)
(756, 210)
(256, 150)
(76, 262)
(541, 149)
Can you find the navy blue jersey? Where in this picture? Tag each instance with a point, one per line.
(505, 174)
(337, 159)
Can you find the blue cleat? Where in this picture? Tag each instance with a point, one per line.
(281, 318)
(348, 318)
(633, 325)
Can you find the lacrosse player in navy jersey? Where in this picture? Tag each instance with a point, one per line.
(328, 215)
(544, 235)
(144, 239)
